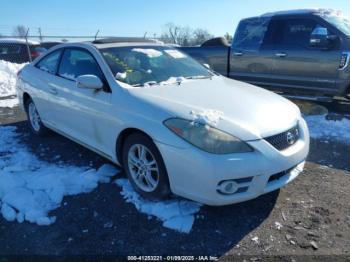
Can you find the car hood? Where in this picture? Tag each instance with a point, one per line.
(247, 112)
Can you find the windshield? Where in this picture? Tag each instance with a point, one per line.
(342, 23)
(147, 65)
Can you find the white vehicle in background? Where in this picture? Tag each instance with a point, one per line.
(175, 126)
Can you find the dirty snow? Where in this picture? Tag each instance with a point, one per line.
(176, 214)
(322, 128)
(8, 74)
(150, 52)
(30, 188)
(207, 117)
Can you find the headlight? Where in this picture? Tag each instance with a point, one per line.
(206, 137)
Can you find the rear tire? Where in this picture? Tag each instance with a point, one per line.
(34, 120)
(144, 166)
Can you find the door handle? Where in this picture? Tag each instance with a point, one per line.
(53, 91)
(281, 54)
(238, 53)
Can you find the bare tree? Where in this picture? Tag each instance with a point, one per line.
(200, 36)
(20, 31)
(184, 35)
(171, 33)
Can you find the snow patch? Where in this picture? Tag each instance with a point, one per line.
(173, 80)
(8, 75)
(30, 188)
(150, 52)
(10, 102)
(121, 76)
(175, 53)
(8, 78)
(207, 117)
(322, 128)
(176, 214)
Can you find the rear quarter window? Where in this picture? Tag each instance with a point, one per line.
(49, 63)
(250, 33)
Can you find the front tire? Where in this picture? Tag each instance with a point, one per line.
(145, 168)
(34, 120)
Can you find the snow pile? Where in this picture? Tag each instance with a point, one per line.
(30, 188)
(322, 128)
(176, 214)
(150, 52)
(8, 74)
(207, 117)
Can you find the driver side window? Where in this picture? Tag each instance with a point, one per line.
(290, 33)
(76, 62)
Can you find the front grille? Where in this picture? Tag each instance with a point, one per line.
(284, 140)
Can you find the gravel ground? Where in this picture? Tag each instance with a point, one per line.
(310, 216)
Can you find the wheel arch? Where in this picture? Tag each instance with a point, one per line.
(121, 139)
(25, 98)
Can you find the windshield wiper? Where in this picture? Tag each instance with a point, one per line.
(198, 77)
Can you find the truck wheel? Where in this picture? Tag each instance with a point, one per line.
(144, 167)
(34, 121)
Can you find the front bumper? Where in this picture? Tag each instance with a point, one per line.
(197, 175)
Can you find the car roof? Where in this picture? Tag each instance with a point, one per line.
(17, 41)
(124, 41)
(317, 11)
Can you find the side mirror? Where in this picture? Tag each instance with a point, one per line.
(321, 39)
(89, 82)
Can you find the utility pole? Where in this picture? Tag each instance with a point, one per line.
(97, 34)
(27, 44)
(40, 36)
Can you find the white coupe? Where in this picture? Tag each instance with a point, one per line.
(173, 124)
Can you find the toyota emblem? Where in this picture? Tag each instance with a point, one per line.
(290, 138)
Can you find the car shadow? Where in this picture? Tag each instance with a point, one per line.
(101, 222)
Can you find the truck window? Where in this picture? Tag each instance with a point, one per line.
(250, 34)
(290, 33)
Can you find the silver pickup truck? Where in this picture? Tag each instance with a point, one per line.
(302, 53)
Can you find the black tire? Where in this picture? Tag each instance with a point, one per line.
(162, 190)
(41, 130)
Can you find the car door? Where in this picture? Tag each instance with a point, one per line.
(247, 61)
(83, 114)
(297, 65)
(43, 82)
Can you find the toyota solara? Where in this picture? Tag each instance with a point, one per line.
(174, 125)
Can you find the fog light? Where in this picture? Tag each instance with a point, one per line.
(227, 187)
